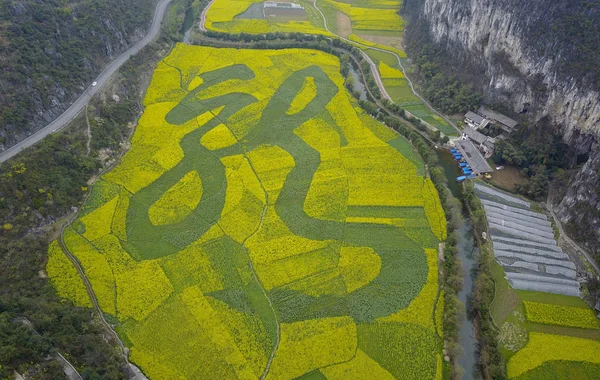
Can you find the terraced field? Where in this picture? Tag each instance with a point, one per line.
(263, 226)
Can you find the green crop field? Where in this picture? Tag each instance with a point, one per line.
(262, 225)
(399, 90)
(376, 20)
(545, 336)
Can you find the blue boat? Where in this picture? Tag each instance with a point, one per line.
(471, 176)
(453, 150)
(461, 178)
(462, 164)
(467, 171)
(458, 157)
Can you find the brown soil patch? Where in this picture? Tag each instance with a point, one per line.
(384, 40)
(508, 178)
(344, 24)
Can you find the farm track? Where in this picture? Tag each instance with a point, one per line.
(69, 369)
(376, 72)
(203, 16)
(78, 105)
(90, 291)
(262, 288)
(87, 283)
(405, 122)
(255, 276)
(138, 375)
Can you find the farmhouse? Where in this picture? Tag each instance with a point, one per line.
(483, 142)
(476, 121)
(506, 123)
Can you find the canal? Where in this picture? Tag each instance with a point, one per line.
(358, 84)
(467, 252)
(188, 21)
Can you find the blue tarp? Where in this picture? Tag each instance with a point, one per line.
(461, 178)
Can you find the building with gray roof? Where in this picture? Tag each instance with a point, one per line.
(483, 142)
(476, 121)
(506, 123)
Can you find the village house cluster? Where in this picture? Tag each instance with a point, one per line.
(476, 147)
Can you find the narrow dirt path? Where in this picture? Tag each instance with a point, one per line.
(137, 373)
(68, 368)
(89, 131)
(255, 276)
(262, 218)
(203, 16)
(91, 293)
(376, 75)
(376, 72)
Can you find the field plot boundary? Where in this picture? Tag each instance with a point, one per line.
(276, 168)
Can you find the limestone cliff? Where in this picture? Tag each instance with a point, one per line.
(540, 57)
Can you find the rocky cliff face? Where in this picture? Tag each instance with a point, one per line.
(574, 208)
(536, 56)
(526, 67)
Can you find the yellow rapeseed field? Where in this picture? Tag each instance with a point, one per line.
(561, 315)
(262, 225)
(543, 348)
(64, 277)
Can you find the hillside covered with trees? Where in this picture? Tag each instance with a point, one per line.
(50, 51)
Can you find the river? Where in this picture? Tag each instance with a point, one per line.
(188, 21)
(358, 84)
(467, 253)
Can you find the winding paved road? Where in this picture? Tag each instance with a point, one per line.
(75, 108)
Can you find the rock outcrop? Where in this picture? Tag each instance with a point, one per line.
(536, 57)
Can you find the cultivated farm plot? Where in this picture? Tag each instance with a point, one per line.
(262, 225)
(550, 335)
(249, 16)
(398, 88)
(374, 23)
